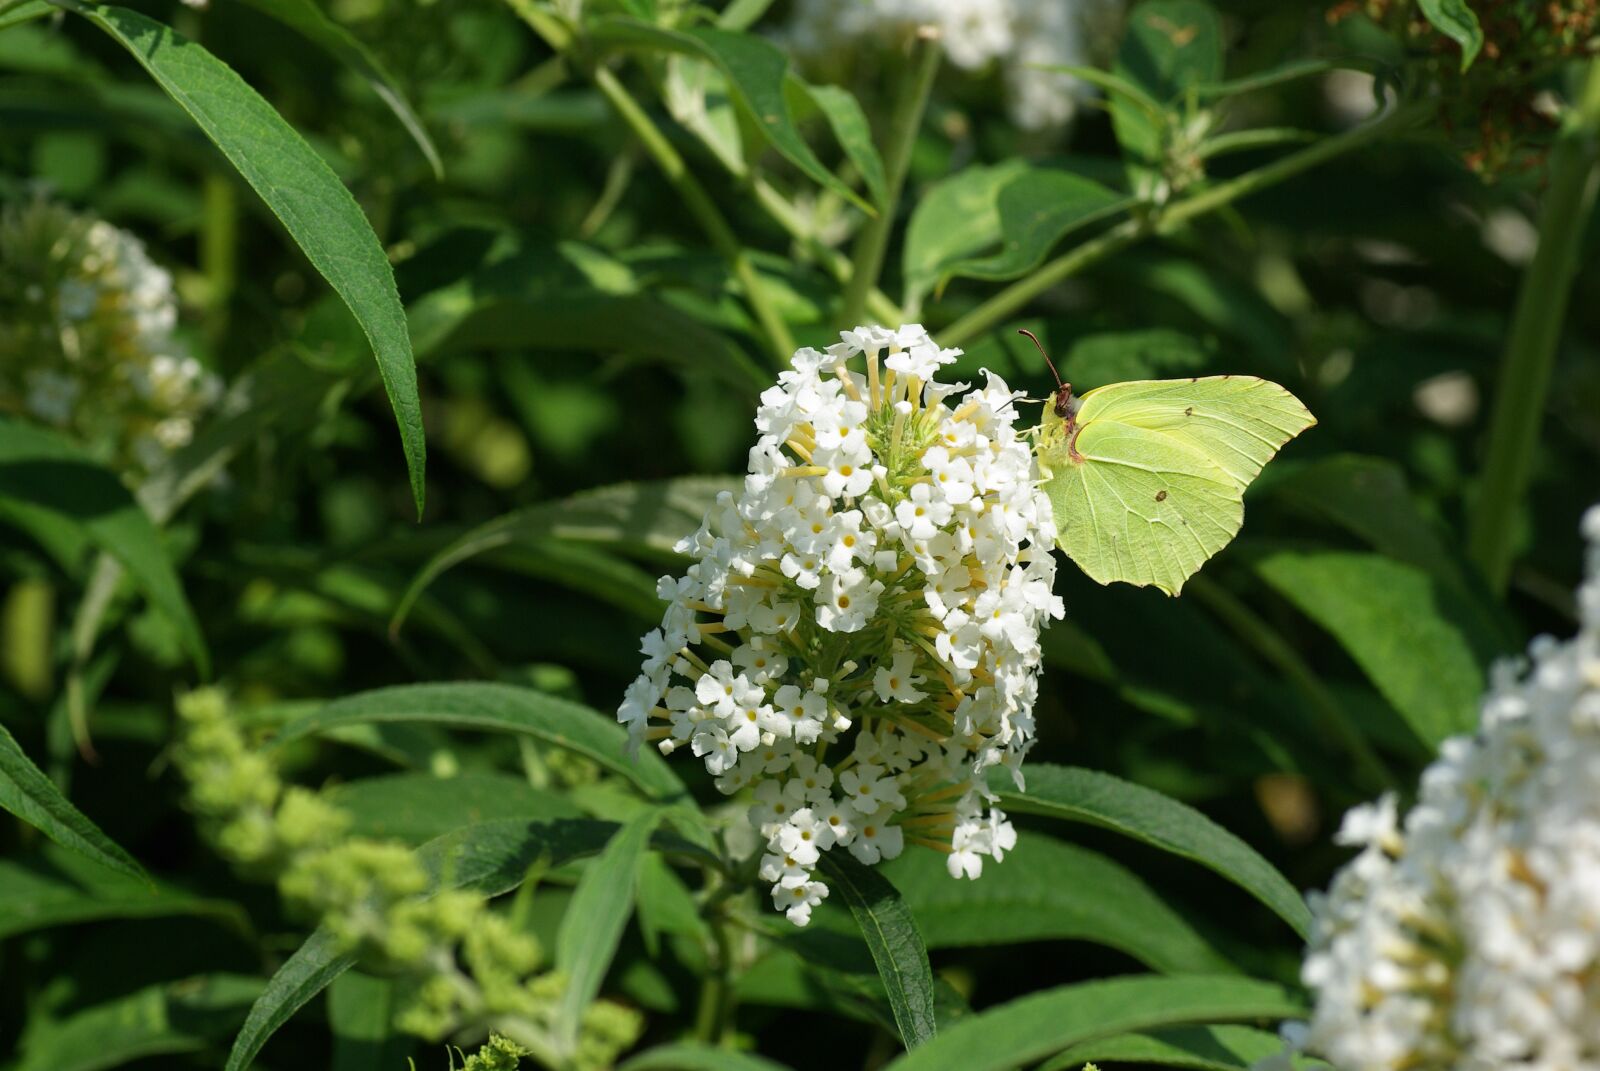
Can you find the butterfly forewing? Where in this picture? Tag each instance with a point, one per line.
(1149, 483)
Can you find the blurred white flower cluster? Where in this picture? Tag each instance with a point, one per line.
(1467, 936)
(1018, 36)
(86, 337)
(858, 638)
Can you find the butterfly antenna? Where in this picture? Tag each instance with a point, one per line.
(1035, 340)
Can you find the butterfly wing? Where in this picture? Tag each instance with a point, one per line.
(1151, 482)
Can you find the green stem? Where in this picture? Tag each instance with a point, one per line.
(1014, 297)
(873, 241)
(1525, 371)
(715, 1007)
(1273, 649)
(219, 251)
(835, 263)
(699, 202)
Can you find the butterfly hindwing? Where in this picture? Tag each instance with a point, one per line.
(1150, 482)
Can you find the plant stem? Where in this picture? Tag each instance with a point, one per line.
(219, 252)
(873, 241)
(1525, 370)
(716, 989)
(835, 263)
(1018, 294)
(704, 210)
(680, 178)
(1372, 773)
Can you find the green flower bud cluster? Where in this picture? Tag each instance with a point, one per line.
(86, 337)
(1491, 108)
(462, 967)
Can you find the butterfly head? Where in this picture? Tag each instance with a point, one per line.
(1063, 398)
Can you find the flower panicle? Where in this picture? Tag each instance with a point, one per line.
(857, 640)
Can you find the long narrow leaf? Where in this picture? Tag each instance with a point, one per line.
(503, 708)
(27, 793)
(896, 945)
(1080, 795)
(1045, 1023)
(299, 187)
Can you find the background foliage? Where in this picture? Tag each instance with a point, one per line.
(606, 231)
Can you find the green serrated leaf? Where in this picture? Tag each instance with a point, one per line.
(499, 708)
(300, 189)
(1457, 21)
(1043, 1024)
(592, 927)
(1080, 795)
(1048, 890)
(896, 945)
(1389, 616)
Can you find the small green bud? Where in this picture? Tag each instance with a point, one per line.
(497, 1054)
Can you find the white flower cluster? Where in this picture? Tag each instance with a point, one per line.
(1019, 36)
(86, 336)
(1467, 936)
(857, 639)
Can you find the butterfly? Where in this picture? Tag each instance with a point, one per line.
(1146, 478)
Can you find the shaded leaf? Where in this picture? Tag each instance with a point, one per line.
(1080, 795)
(1390, 617)
(1457, 21)
(50, 489)
(1207, 1048)
(1039, 1025)
(58, 888)
(957, 218)
(1036, 210)
(302, 191)
(307, 19)
(162, 1020)
(27, 793)
(415, 807)
(360, 1012)
(687, 1056)
(897, 948)
(1050, 890)
(501, 708)
(592, 927)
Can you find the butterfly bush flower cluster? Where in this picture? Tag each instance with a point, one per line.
(1018, 36)
(86, 337)
(857, 641)
(461, 968)
(1466, 935)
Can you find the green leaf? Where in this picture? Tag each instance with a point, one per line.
(416, 807)
(27, 793)
(637, 517)
(1170, 48)
(759, 75)
(499, 708)
(1042, 1024)
(162, 1020)
(592, 927)
(854, 134)
(26, 11)
(1206, 1048)
(1392, 620)
(491, 858)
(1048, 890)
(1079, 795)
(687, 1056)
(307, 19)
(299, 187)
(59, 888)
(1457, 21)
(958, 217)
(360, 1014)
(897, 948)
(52, 490)
(1037, 209)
